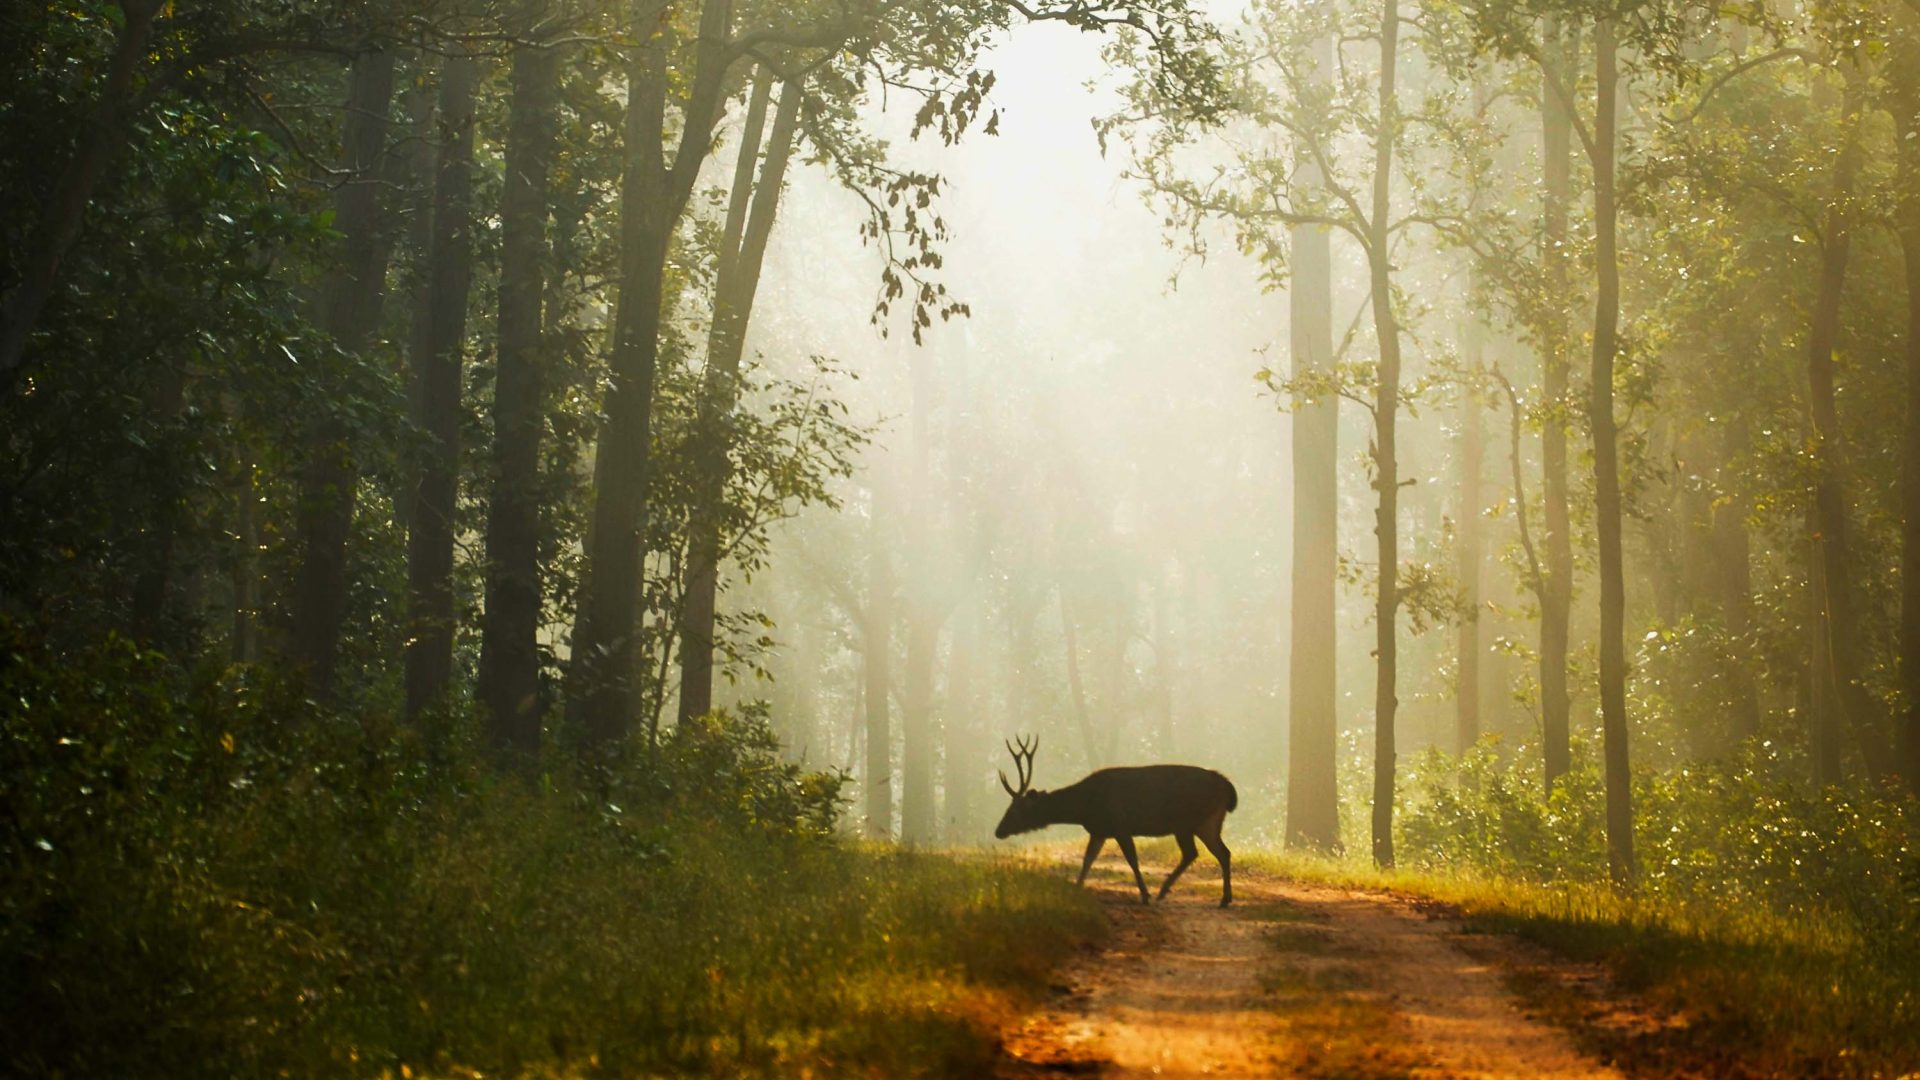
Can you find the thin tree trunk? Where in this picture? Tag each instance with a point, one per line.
(1733, 570)
(750, 218)
(1903, 73)
(155, 580)
(961, 726)
(437, 372)
(1556, 593)
(1468, 643)
(65, 212)
(1313, 810)
(509, 677)
(351, 300)
(1606, 466)
(1386, 410)
(245, 571)
(1837, 620)
(923, 628)
(877, 643)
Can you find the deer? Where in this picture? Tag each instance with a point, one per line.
(1182, 801)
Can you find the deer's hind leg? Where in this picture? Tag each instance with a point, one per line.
(1133, 860)
(1094, 844)
(1210, 836)
(1188, 853)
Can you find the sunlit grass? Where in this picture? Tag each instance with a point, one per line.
(1797, 993)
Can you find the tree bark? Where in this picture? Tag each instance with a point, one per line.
(1556, 592)
(1903, 72)
(604, 678)
(1836, 620)
(509, 677)
(350, 304)
(961, 726)
(65, 212)
(877, 645)
(1606, 466)
(1468, 643)
(437, 373)
(1313, 811)
(1733, 570)
(1386, 410)
(923, 625)
(750, 218)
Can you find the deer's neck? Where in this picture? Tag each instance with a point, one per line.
(1068, 806)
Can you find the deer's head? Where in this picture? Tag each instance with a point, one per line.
(1023, 814)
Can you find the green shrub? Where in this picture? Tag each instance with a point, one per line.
(212, 876)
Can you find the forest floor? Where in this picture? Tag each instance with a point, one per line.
(1295, 979)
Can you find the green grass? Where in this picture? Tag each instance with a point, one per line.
(1780, 994)
(517, 936)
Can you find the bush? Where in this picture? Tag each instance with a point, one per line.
(213, 876)
(1735, 834)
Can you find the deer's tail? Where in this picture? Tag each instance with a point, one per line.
(1233, 797)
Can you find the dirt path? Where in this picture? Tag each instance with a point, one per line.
(1295, 980)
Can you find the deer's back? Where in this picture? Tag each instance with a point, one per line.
(1154, 800)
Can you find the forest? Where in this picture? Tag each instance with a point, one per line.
(530, 529)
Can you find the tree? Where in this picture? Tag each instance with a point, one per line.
(509, 675)
(350, 309)
(437, 398)
(1313, 798)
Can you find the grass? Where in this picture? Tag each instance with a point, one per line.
(506, 946)
(1771, 993)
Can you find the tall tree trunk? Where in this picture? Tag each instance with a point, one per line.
(1556, 592)
(604, 679)
(509, 677)
(1733, 570)
(65, 211)
(245, 569)
(923, 628)
(1386, 413)
(877, 646)
(1837, 620)
(437, 373)
(154, 583)
(350, 305)
(1313, 798)
(1903, 73)
(1468, 643)
(1606, 464)
(750, 217)
(603, 691)
(961, 725)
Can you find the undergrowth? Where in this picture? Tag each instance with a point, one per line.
(222, 879)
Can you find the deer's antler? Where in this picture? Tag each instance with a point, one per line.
(1022, 764)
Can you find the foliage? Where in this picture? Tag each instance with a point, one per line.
(289, 890)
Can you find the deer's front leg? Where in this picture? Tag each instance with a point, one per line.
(1094, 843)
(1133, 860)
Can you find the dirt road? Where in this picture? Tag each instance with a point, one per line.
(1294, 980)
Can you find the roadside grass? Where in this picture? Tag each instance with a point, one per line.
(1743, 988)
(222, 879)
(525, 939)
